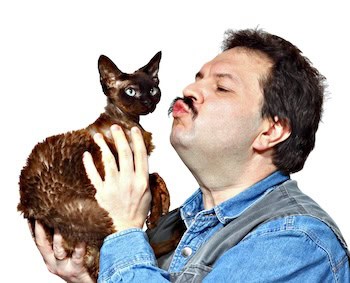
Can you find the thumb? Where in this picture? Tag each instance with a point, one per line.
(91, 170)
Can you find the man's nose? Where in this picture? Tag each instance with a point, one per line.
(194, 91)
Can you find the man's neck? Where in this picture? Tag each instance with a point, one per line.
(221, 184)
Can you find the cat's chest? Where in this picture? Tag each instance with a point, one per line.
(105, 131)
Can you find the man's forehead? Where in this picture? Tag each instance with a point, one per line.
(241, 54)
(218, 70)
(230, 61)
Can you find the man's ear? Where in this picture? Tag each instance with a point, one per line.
(274, 131)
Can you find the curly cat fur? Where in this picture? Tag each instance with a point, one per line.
(54, 188)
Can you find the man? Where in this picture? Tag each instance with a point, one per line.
(245, 124)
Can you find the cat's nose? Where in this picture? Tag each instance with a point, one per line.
(147, 103)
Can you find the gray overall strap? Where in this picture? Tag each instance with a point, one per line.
(285, 200)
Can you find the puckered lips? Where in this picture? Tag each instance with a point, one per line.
(180, 109)
(182, 106)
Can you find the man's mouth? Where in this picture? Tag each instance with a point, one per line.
(182, 106)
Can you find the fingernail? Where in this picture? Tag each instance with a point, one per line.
(115, 127)
(135, 130)
(97, 136)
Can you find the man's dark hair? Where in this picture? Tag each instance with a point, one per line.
(293, 91)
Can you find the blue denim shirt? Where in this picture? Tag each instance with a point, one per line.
(290, 249)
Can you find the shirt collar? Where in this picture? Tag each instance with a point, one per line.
(235, 206)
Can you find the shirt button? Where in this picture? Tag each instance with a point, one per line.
(186, 252)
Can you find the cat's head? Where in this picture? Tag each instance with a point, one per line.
(137, 93)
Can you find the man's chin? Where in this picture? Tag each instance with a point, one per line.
(180, 137)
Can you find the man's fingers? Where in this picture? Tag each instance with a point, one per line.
(91, 170)
(79, 253)
(41, 241)
(44, 247)
(57, 244)
(140, 152)
(125, 156)
(30, 226)
(70, 269)
(108, 159)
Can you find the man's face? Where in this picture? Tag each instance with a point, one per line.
(228, 98)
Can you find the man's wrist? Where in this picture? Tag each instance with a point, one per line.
(124, 249)
(120, 226)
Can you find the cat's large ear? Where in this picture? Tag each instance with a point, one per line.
(152, 66)
(109, 72)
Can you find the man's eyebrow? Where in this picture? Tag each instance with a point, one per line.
(225, 75)
(200, 75)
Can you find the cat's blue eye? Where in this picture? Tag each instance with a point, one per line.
(130, 91)
(153, 91)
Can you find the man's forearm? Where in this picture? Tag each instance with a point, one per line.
(128, 257)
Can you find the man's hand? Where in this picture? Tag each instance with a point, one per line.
(124, 192)
(70, 269)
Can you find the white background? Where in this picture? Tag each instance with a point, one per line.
(49, 84)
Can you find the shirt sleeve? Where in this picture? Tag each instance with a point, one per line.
(127, 256)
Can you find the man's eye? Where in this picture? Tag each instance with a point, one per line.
(222, 89)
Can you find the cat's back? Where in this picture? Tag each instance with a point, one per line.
(54, 171)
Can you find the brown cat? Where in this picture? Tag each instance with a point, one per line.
(54, 187)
